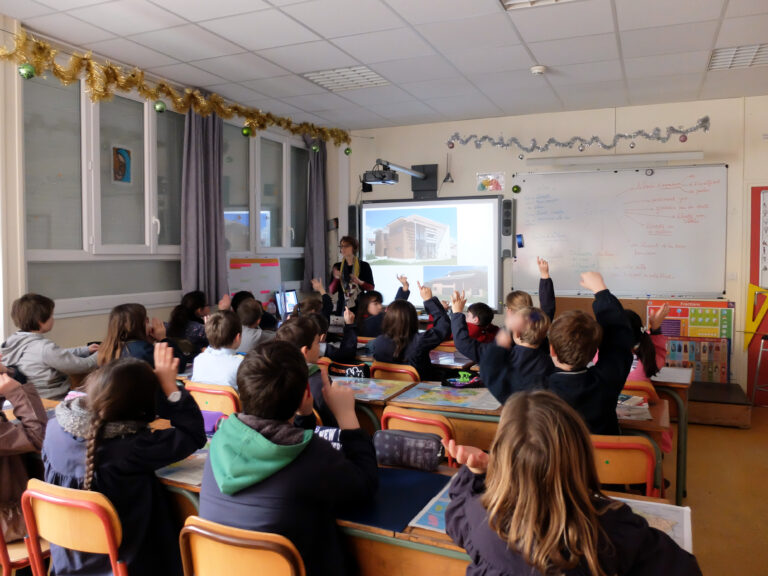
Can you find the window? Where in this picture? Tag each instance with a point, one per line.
(102, 198)
(235, 189)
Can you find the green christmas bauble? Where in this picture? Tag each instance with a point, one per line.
(246, 131)
(159, 106)
(347, 150)
(26, 71)
(315, 148)
(516, 189)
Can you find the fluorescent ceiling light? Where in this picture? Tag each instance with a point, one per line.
(517, 4)
(739, 57)
(342, 79)
(614, 160)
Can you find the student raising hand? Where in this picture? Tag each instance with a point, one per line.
(657, 318)
(458, 301)
(341, 401)
(543, 267)
(349, 316)
(593, 281)
(225, 303)
(317, 286)
(166, 368)
(424, 291)
(156, 329)
(474, 458)
(403, 279)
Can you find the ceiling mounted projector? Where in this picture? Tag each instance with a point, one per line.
(380, 177)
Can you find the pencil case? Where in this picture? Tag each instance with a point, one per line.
(420, 450)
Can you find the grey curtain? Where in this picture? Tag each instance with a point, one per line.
(203, 250)
(315, 264)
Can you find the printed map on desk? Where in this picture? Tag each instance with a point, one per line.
(372, 388)
(432, 516)
(187, 471)
(674, 521)
(474, 398)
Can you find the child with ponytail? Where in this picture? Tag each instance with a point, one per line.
(103, 442)
(650, 348)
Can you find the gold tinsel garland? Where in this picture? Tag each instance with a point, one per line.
(103, 79)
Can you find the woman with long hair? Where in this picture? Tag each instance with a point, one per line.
(351, 276)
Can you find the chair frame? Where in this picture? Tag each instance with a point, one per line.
(418, 419)
(650, 468)
(395, 369)
(9, 566)
(645, 389)
(219, 390)
(276, 547)
(32, 540)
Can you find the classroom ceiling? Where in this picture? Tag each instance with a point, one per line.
(443, 59)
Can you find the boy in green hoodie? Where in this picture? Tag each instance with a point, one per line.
(265, 474)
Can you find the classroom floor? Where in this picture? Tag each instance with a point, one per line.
(728, 496)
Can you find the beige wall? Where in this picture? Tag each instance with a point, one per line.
(735, 138)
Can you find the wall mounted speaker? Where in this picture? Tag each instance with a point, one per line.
(507, 217)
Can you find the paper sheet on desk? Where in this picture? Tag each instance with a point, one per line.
(675, 521)
(472, 398)
(187, 471)
(673, 375)
(432, 516)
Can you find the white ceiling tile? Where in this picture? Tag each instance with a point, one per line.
(239, 67)
(130, 53)
(743, 31)
(235, 92)
(286, 2)
(584, 73)
(316, 102)
(510, 80)
(424, 11)
(126, 17)
(260, 30)
(499, 59)
(564, 20)
(440, 88)
(186, 75)
(352, 115)
(734, 83)
(517, 92)
(197, 11)
(632, 14)
(385, 45)
(593, 95)
(517, 103)
(745, 8)
(333, 18)
(274, 106)
(68, 29)
(667, 65)
(23, 9)
(401, 110)
(415, 69)
(369, 122)
(376, 95)
(668, 39)
(576, 50)
(310, 57)
(299, 117)
(62, 5)
(463, 107)
(285, 86)
(471, 33)
(187, 43)
(664, 89)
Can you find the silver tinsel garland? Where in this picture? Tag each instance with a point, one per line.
(656, 135)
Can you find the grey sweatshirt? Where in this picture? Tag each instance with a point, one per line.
(45, 364)
(253, 337)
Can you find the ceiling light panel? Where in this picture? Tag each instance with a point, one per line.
(517, 4)
(342, 79)
(739, 57)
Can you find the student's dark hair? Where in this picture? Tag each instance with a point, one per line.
(222, 328)
(401, 323)
(185, 313)
(362, 307)
(644, 348)
(241, 297)
(310, 305)
(125, 389)
(272, 380)
(575, 337)
(299, 331)
(350, 240)
(250, 312)
(126, 322)
(320, 321)
(30, 311)
(482, 312)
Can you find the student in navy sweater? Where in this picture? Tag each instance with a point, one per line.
(102, 442)
(265, 474)
(534, 506)
(402, 343)
(574, 339)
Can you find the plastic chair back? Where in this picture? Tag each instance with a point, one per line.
(640, 388)
(214, 397)
(389, 371)
(625, 460)
(447, 346)
(398, 418)
(14, 555)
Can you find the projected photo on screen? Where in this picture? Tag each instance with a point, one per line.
(450, 244)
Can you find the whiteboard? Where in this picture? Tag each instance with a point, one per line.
(258, 275)
(650, 233)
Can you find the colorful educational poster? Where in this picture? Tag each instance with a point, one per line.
(429, 394)
(187, 471)
(258, 275)
(432, 516)
(708, 357)
(675, 521)
(490, 181)
(696, 318)
(373, 388)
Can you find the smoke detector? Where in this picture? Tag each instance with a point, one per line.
(538, 70)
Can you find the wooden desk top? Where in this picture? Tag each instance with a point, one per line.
(451, 360)
(660, 423)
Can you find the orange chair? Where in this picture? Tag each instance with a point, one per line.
(625, 460)
(15, 555)
(447, 346)
(390, 371)
(397, 418)
(640, 388)
(214, 397)
(74, 519)
(208, 549)
(365, 339)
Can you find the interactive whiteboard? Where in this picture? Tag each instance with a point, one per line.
(655, 232)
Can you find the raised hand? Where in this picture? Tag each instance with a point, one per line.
(166, 367)
(657, 318)
(424, 291)
(156, 329)
(341, 402)
(349, 316)
(404, 281)
(317, 286)
(458, 301)
(504, 339)
(543, 267)
(93, 348)
(474, 458)
(225, 303)
(593, 281)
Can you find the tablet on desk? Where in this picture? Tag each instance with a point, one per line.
(286, 302)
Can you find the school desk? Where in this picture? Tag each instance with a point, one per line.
(48, 404)
(450, 360)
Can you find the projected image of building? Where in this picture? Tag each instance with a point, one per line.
(444, 280)
(414, 238)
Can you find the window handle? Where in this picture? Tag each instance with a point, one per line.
(293, 233)
(156, 223)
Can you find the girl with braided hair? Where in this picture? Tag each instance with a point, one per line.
(102, 442)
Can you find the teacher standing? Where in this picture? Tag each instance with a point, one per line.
(351, 276)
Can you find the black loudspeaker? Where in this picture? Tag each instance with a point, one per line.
(507, 217)
(353, 212)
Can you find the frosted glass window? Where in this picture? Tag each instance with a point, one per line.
(170, 154)
(299, 184)
(84, 279)
(52, 170)
(121, 145)
(271, 217)
(234, 189)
